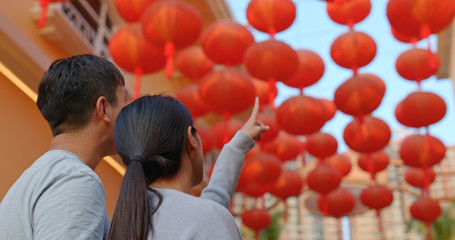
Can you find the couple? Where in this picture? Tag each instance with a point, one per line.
(60, 196)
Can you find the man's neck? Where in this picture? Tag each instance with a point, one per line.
(84, 145)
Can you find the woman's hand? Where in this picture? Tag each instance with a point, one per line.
(253, 127)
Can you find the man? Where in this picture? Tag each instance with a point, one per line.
(60, 196)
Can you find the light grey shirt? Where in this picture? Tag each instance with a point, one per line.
(184, 217)
(58, 197)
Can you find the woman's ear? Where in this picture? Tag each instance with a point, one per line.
(191, 140)
(100, 109)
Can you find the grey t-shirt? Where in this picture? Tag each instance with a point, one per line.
(58, 197)
(183, 217)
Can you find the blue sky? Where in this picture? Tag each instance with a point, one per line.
(314, 30)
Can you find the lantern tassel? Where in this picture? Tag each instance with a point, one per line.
(285, 214)
(169, 52)
(272, 90)
(428, 226)
(42, 20)
(325, 205)
(378, 215)
(137, 87)
(302, 152)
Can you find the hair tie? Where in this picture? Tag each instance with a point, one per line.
(137, 158)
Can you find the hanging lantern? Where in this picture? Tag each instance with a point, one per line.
(225, 42)
(289, 184)
(420, 109)
(340, 162)
(262, 168)
(349, 13)
(376, 197)
(353, 50)
(285, 146)
(221, 135)
(321, 145)
(44, 4)
(330, 107)
(133, 53)
(301, 109)
(419, 178)
(193, 63)
(271, 61)
(268, 119)
(425, 209)
(339, 202)
(227, 91)
(251, 189)
(262, 92)
(189, 96)
(417, 64)
(256, 219)
(131, 10)
(270, 16)
(360, 94)
(171, 25)
(420, 18)
(324, 179)
(367, 134)
(373, 162)
(309, 70)
(421, 150)
(403, 38)
(206, 138)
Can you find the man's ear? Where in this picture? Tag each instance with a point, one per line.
(100, 109)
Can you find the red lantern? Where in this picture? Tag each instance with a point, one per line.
(419, 178)
(131, 10)
(227, 91)
(268, 119)
(221, 135)
(301, 109)
(402, 37)
(420, 18)
(309, 71)
(172, 25)
(133, 53)
(376, 197)
(420, 109)
(417, 64)
(373, 162)
(425, 209)
(339, 202)
(321, 145)
(349, 13)
(193, 63)
(225, 42)
(270, 16)
(324, 179)
(330, 107)
(285, 146)
(360, 94)
(206, 138)
(189, 96)
(262, 92)
(340, 162)
(289, 184)
(367, 134)
(252, 189)
(44, 4)
(256, 219)
(353, 50)
(421, 150)
(262, 168)
(271, 61)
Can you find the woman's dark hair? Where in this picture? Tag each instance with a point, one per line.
(70, 88)
(150, 135)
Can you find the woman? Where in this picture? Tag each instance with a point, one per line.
(156, 139)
